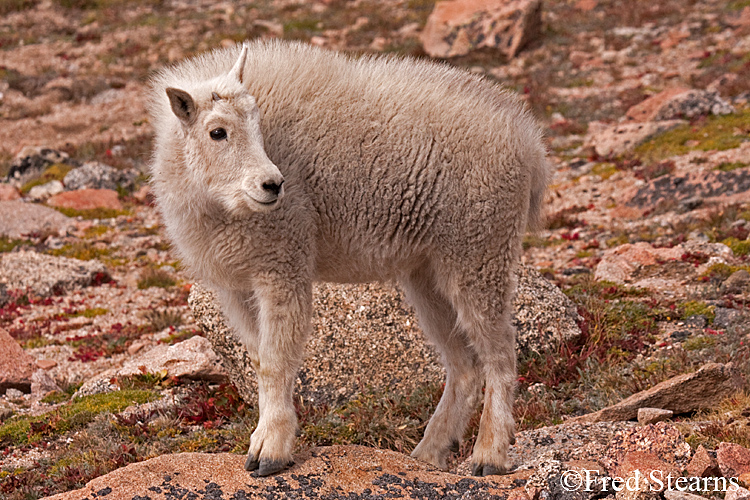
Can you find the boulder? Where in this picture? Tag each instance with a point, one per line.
(353, 472)
(702, 464)
(19, 219)
(711, 185)
(30, 162)
(657, 446)
(457, 27)
(733, 459)
(621, 138)
(737, 282)
(95, 175)
(681, 394)
(620, 264)
(366, 336)
(45, 275)
(737, 494)
(679, 103)
(192, 359)
(86, 199)
(16, 367)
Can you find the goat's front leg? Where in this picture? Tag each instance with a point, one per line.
(284, 322)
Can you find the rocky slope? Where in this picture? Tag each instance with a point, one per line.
(105, 361)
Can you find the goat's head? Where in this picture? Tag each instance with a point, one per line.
(224, 151)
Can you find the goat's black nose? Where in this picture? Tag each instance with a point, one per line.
(272, 187)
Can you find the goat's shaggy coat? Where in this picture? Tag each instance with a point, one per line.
(392, 169)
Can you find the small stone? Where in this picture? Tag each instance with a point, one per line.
(646, 463)
(13, 393)
(86, 199)
(652, 415)
(733, 459)
(737, 282)
(135, 347)
(681, 495)
(457, 27)
(691, 203)
(737, 494)
(8, 193)
(42, 384)
(46, 364)
(95, 175)
(16, 366)
(702, 464)
(39, 193)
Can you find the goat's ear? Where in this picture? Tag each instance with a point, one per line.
(239, 66)
(183, 105)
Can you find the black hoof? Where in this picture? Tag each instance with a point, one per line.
(268, 467)
(454, 446)
(482, 470)
(251, 463)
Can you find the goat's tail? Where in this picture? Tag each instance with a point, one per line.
(540, 174)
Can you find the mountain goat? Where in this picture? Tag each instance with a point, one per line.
(277, 164)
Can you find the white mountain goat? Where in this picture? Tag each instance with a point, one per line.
(278, 164)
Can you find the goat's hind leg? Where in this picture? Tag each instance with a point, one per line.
(463, 383)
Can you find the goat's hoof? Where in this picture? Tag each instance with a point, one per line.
(251, 463)
(482, 470)
(268, 467)
(454, 446)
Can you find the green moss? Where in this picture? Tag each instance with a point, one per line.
(156, 277)
(28, 429)
(8, 244)
(712, 133)
(96, 231)
(698, 343)
(739, 4)
(697, 308)
(604, 170)
(80, 250)
(93, 213)
(728, 167)
(533, 241)
(739, 247)
(92, 313)
(56, 172)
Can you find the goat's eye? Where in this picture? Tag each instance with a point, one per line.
(218, 134)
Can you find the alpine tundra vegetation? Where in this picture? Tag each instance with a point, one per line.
(279, 164)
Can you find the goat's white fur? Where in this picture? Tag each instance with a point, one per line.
(392, 169)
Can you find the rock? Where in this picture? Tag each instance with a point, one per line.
(46, 364)
(354, 472)
(42, 383)
(379, 341)
(542, 313)
(733, 459)
(637, 486)
(567, 441)
(8, 193)
(44, 191)
(32, 161)
(679, 103)
(95, 175)
(727, 318)
(652, 415)
(620, 264)
(737, 282)
(16, 367)
(19, 219)
(192, 359)
(739, 493)
(621, 138)
(87, 199)
(681, 394)
(46, 275)
(711, 186)
(681, 495)
(661, 440)
(457, 27)
(702, 464)
(647, 463)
